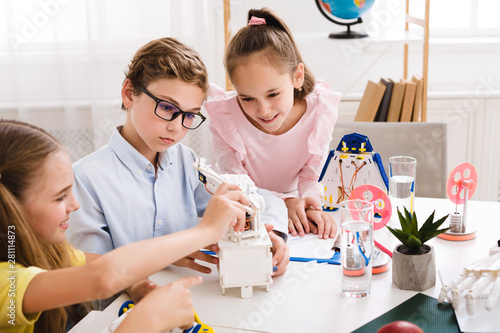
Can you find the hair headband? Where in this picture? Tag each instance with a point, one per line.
(256, 21)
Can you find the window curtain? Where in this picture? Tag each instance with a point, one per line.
(62, 62)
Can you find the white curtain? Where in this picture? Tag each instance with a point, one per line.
(62, 61)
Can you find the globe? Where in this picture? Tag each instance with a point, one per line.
(352, 10)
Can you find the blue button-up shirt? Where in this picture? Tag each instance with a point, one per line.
(122, 201)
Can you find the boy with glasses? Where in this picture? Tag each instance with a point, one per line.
(143, 183)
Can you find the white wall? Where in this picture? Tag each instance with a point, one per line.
(464, 76)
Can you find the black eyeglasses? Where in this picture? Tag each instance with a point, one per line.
(169, 111)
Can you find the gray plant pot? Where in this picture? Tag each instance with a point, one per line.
(414, 271)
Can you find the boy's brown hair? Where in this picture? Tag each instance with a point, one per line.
(166, 58)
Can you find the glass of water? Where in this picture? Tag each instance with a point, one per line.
(356, 220)
(402, 170)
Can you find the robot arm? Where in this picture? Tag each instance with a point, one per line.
(212, 180)
(207, 175)
(473, 280)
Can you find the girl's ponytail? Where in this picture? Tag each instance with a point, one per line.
(276, 43)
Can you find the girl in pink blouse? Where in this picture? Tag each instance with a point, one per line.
(277, 126)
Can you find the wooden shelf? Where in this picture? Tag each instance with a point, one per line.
(398, 37)
(381, 40)
(424, 24)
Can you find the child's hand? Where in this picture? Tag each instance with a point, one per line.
(297, 218)
(227, 207)
(189, 261)
(281, 256)
(326, 226)
(140, 289)
(166, 308)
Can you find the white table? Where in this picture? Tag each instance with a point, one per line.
(308, 297)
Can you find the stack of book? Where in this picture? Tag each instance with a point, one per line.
(392, 101)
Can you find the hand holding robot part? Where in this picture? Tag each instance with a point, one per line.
(208, 175)
(280, 251)
(251, 246)
(228, 204)
(227, 207)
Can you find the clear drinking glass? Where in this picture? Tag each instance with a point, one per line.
(356, 218)
(402, 171)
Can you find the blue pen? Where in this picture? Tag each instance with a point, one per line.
(335, 260)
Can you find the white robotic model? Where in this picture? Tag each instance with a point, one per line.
(245, 258)
(475, 279)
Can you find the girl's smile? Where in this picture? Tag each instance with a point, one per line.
(270, 119)
(266, 96)
(49, 203)
(64, 225)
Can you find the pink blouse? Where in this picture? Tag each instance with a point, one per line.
(288, 164)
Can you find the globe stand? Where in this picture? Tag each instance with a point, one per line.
(348, 34)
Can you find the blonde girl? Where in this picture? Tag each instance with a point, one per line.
(44, 279)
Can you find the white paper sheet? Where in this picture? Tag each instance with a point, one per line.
(309, 246)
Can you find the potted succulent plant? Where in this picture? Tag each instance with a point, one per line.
(413, 262)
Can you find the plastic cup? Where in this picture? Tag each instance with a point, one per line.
(356, 220)
(402, 173)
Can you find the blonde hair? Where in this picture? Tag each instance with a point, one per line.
(274, 42)
(166, 58)
(24, 149)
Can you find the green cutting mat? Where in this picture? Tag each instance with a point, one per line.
(421, 310)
